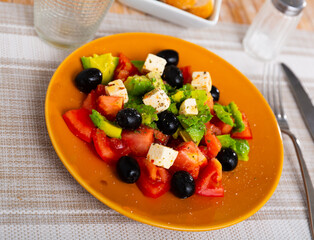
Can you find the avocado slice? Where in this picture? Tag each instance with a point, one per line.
(138, 85)
(86, 62)
(138, 64)
(186, 137)
(178, 96)
(195, 133)
(106, 63)
(240, 146)
(176, 134)
(156, 80)
(108, 127)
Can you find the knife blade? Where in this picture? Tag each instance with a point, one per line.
(302, 99)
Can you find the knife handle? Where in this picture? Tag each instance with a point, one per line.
(309, 190)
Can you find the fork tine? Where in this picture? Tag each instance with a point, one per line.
(282, 112)
(275, 89)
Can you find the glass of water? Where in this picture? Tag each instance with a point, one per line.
(69, 23)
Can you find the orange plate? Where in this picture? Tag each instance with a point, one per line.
(247, 188)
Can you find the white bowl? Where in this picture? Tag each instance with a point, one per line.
(173, 14)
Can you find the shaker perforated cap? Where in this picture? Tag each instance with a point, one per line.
(290, 7)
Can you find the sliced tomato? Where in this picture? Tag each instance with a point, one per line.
(79, 123)
(154, 181)
(210, 103)
(189, 159)
(174, 143)
(139, 140)
(202, 160)
(215, 130)
(187, 74)
(246, 133)
(209, 181)
(100, 90)
(119, 146)
(154, 172)
(109, 106)
(161, 138)
(125, 68)
(223, 127)
(103, 147)
(204, 150)
(90, 101)
(212, 142)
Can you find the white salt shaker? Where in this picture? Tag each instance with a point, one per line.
(271, 27)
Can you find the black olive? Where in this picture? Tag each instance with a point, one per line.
(88, 79)
(173, 76)
(167, 123)
(128, 169)
(215, 93)
(129, 118)
(182, 184)
(228, 159)
(171, 56)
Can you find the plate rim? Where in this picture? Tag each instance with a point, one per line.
(115, 206)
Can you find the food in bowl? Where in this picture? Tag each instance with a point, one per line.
(201, 8)
(161, 127)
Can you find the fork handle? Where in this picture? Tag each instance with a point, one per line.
(309, 190)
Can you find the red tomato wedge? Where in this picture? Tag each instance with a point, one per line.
(90, 101)
(100, 90)
(187, 74)
(189, 159)
(139, 140)
(246, 133)
(146, 183)
(154, 172)
(223, 127)
(79, 123)
(210, 103)
(215, 130)
(161, 138)
(125, 68)
(119, 146)
(209, 181)
(109, 106)
(103, 147)
(204, 150)
(212, 142)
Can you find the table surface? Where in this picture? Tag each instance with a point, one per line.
(235, 11)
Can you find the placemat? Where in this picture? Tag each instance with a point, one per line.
(41, 200)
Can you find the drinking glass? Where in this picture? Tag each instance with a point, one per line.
(69, 23)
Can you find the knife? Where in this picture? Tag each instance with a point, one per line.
(302, 99)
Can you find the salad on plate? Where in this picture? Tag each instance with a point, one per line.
(159, 126)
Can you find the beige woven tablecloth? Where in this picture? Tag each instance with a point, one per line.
(39, 199)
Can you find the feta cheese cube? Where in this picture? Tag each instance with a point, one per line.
(188, 107)
(116, 88)
(161, 156)
(158, 99)
(202, 81)
(154, 63)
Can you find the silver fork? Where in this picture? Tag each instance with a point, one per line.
(272, 92)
